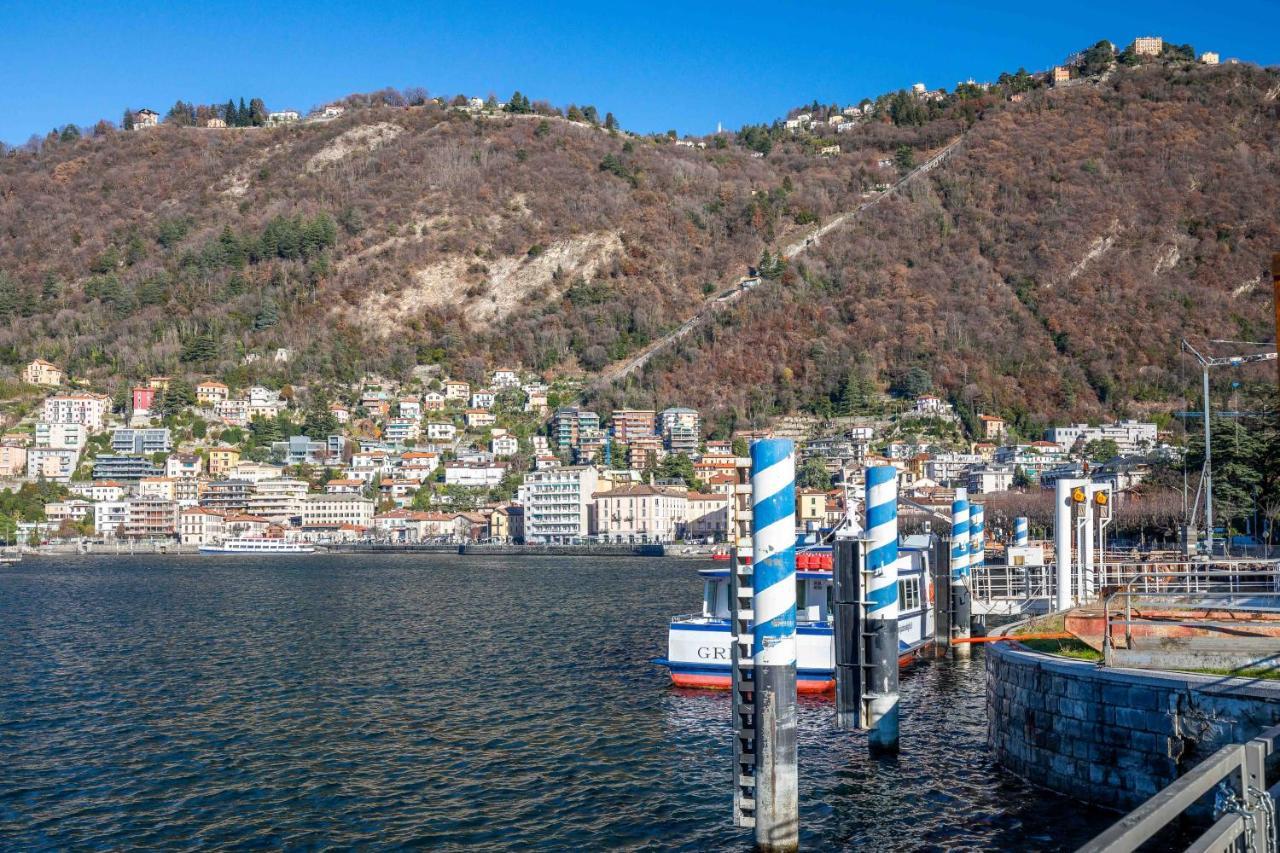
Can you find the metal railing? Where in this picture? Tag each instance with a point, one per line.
(1244, 808)
(1245, 587)
(995, 581)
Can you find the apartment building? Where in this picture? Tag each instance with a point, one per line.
(337, 509)
(640, 513)
(67, 436)
(201, 526)
(628, 424)
(52, 463)
(88, 409)
(150, 518)
(144, 441)
(13, 460)
(558, 504)
(277, 499)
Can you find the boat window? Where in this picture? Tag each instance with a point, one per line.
(909, 594)
(708, 599)
(802, 598)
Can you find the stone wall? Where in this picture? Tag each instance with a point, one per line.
(1113, 737)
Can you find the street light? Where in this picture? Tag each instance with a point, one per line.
(1206, 477)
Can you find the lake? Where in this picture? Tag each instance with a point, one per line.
(437, 701)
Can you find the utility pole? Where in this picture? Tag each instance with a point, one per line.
(1206, 362)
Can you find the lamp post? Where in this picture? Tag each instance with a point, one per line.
(1206, 362)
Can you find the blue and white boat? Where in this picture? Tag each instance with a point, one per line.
(698, 644)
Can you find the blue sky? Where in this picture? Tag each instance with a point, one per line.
(655, 65)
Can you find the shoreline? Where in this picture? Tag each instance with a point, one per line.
(462, 549)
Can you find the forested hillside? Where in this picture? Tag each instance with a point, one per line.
(1049, 267)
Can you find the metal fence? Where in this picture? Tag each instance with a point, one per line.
(1244, 809)
(1243, 588)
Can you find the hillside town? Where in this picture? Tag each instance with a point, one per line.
(443, 461)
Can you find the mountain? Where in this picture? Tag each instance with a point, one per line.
(1046, 267)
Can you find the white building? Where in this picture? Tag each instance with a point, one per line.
(87, 409)
(109, 517)
(63, 436)
(337, 509)
(277, 499)
(183, 466)
(441, 431)
(477, 474)
(283, 117)
(505, 377)
(558, 504)
(504, 445)
(200, 526)
(52, 463)
(1130, 436)
(990, 478)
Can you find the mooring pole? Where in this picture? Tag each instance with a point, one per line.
(773, 551)
(1020, 535)
(977, 538)
(882, 608)
(960, 574)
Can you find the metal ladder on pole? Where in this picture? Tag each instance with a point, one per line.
(744, 695)
(849, 621)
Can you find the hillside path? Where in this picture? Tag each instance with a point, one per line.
(621, 370)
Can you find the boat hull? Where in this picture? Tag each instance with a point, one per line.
(714, 677)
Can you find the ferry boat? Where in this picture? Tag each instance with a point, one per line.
(698, 644)
(260, 545)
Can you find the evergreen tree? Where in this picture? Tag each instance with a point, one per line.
(257, 112)
(229, 114)
(242, 115)
(268, 315)
(610, 122)
(813, 475)
(126, 122)
(202, 348)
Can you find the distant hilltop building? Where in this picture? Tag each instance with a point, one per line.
(918, 88)
(1061, 74)
(145, 118)
(283, 117)
(1148, 45)
(215, 122)
(1209, 58)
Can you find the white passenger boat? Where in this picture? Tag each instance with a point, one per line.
(259, 545)
(698, 644)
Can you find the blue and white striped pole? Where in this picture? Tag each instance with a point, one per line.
(977, 538)
(773, 648)
(960, 573)
(1020, 532)
(882, 608)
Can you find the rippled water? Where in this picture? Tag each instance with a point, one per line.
(437, 701)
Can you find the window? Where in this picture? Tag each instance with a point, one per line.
(908, 594)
